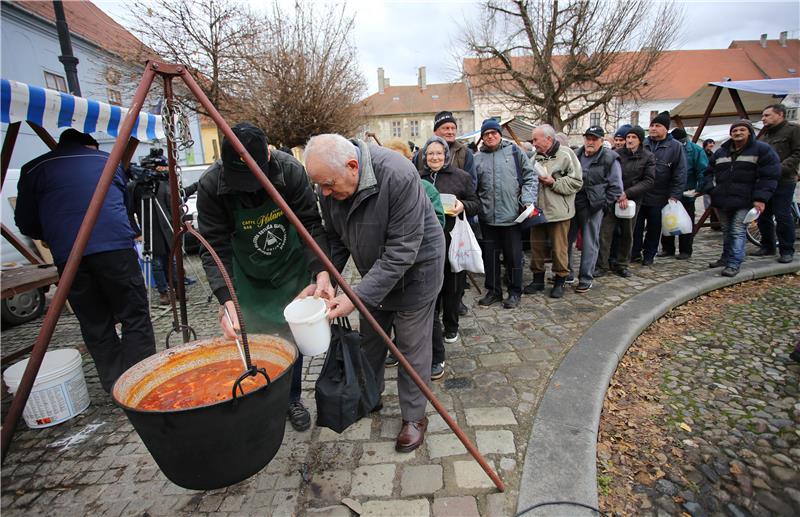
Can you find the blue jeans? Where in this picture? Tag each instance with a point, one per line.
(780, 207)
(733, 234)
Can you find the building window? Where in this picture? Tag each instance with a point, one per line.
(459, 123)
(594, 119)
(634, 118)
(653, 114)
(396, 129)
(55, 82)
(114, 97)
(414, 125)
(791, 113)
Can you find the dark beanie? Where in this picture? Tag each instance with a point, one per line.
(443, 117)
(638, 131)
(622, 131)
(73, 136)
(662, 118)
(490, 123)
(678, 133)
(742, 122)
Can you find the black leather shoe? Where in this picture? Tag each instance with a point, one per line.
(730, 271)
(462, 309)
(716, 263)
(298, 416)
(511, 302)
(647, 262)
(785, 259)
(761, 252)
(683, 256)
(558, 288)
(624, 272)
(665, 254)
(599, 272)
(490, 299)
(411, 436)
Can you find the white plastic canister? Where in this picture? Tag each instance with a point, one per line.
(59, 392)
(625, 213)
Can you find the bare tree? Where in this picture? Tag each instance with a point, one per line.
(212, 37)
(304, 76)
(559, 60)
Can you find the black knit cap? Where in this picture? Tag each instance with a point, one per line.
(73, 136)
(742, 122)
(638, 131)
(678, 133)
(443, 117)
(235, 171)
(662, 118)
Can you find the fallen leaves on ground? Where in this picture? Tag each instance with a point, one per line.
(634, 444)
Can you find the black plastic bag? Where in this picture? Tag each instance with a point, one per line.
(346, 389)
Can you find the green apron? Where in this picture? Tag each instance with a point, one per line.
(269, 266)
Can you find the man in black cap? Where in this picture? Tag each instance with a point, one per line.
(602, 185)
(53, 196)
(261, 250)
(445, 126)
(670, 182)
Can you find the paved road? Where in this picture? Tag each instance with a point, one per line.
(495, 376)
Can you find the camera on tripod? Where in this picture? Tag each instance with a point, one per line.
(150, 170)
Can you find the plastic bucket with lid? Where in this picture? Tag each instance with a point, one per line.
(625, 213)
(308, 321)
(59, 392)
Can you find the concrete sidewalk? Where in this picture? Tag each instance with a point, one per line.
(496, 376)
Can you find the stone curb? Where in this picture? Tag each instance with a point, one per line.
(560, 462)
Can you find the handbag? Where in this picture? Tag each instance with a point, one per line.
(464, 253)
(346, 389)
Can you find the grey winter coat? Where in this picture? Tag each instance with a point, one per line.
(390, 229)
(498, 187)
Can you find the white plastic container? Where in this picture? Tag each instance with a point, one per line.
(627, 213)
(59, 392)
(308, 321)
(751, 216)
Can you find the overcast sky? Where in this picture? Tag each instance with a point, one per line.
(402, 35)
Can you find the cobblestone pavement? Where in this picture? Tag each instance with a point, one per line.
(495, 375)
(734, 387)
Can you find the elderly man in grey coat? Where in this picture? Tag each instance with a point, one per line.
(375, 209)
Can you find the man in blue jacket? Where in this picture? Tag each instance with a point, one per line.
(743, 174)
(668, 188)
(53, 195)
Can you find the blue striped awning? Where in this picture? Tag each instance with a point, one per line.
(54, 110)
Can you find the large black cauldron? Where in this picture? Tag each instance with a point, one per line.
(217, 445)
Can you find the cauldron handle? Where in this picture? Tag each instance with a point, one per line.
(252, 372)
(187, 228)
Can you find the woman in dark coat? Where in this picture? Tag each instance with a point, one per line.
(439, 170)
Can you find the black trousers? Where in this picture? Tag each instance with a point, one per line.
(686, 241)
(447, 307)
(508, 241)
(109, 288)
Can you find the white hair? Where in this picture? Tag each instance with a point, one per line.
(547, 130)
(334, 150)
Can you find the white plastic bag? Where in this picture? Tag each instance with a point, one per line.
(751, 216)
(464, 253)
(675, 220)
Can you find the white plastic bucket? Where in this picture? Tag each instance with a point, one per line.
(308, 321)
(59, 392)
(625, 213)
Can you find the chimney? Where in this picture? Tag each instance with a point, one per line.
(381, 81)
(782, 39)
(763, 40)
(421, 78)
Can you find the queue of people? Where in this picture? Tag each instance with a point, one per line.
(385, 211)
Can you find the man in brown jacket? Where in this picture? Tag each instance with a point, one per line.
(784, 137)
